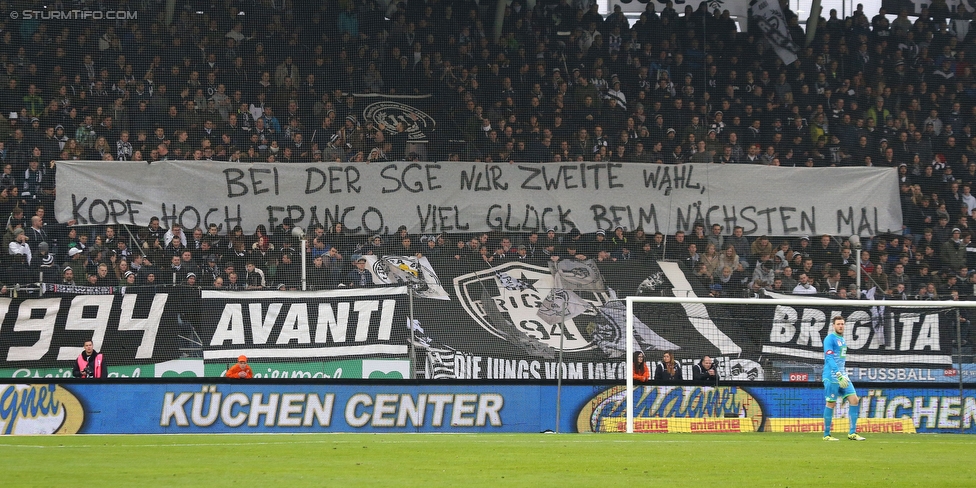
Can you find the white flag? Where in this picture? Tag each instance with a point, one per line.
(407, 270)
(562, 305)
(772, 22)
(577, 275)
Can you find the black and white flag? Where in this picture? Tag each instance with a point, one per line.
(574, 275)
(769, 16)
(561, 305)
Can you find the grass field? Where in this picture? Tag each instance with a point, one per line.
(487, 460)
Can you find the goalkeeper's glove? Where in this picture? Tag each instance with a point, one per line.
(842, 379)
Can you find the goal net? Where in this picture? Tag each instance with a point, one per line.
(781, 339)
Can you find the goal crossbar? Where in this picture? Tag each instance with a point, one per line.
(812, 302)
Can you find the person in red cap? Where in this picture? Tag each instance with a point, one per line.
(240, 370)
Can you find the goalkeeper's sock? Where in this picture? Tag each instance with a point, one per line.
(853, 411)
(828, 418)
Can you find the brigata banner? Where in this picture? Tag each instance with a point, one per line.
(894, 336)
(311, 407)
(785, 342)
(460, 197)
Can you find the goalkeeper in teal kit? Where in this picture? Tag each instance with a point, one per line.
(836, 383)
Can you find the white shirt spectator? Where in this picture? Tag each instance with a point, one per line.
(969, 200)
(804, 288)
(20, 248)
(168, 237)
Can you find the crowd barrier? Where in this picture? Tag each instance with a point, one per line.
(314, 407)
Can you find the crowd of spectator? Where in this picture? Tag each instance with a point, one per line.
(263, 80)
(669, 370)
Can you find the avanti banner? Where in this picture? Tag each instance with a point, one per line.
(281, 326)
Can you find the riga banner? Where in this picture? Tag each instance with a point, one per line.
(434, 198)
(309, 407)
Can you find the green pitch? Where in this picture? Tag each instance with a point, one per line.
(487, 460)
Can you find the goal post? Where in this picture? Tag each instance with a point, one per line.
(787, 331)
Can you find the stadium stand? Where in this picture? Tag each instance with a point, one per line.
(263, 80)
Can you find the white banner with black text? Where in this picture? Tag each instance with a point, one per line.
(474, 197)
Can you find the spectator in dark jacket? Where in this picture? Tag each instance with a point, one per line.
(668, 369)
(704, 371)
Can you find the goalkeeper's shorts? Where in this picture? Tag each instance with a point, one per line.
(833, 392)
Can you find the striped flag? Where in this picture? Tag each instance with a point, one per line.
(562, 305)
